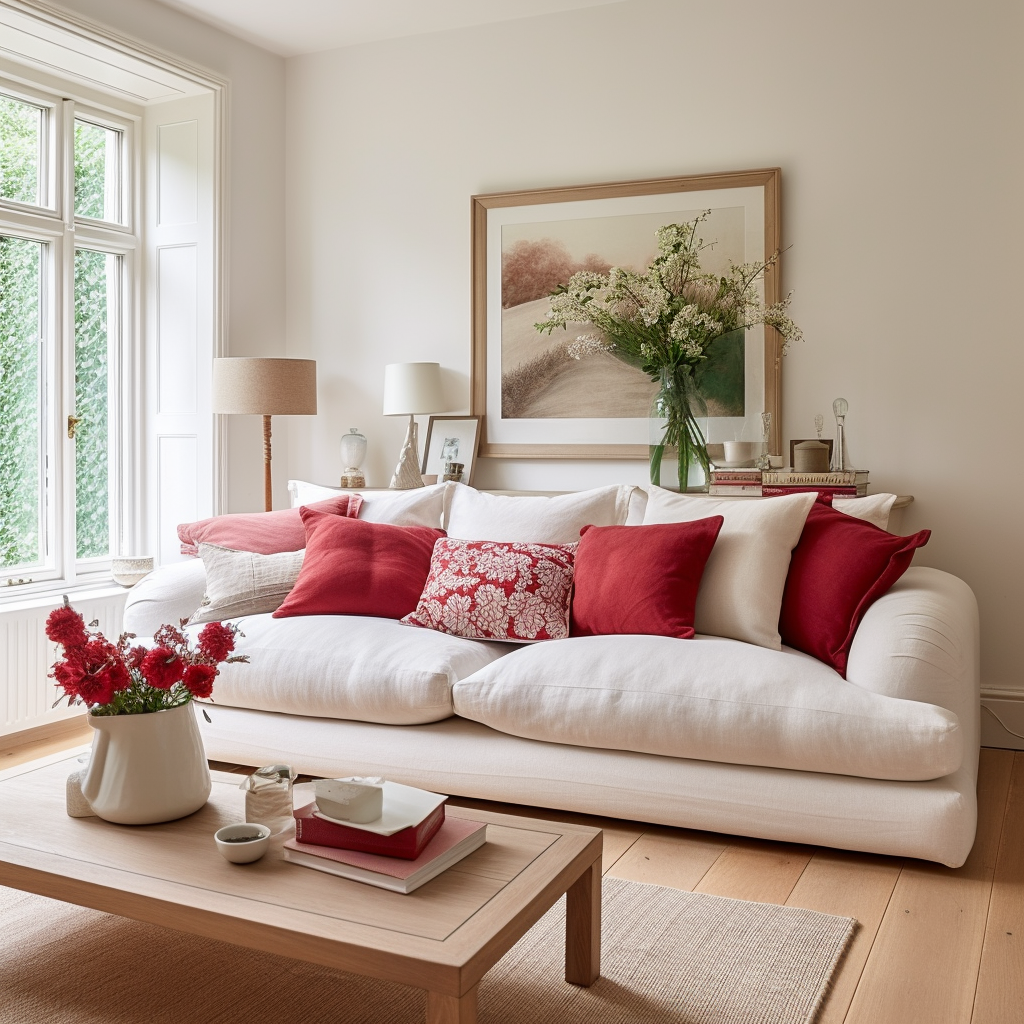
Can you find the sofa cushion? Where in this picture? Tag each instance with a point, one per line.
(354, 667)
(486, 590)
(244, 582)
(713, 700)
(839, 569)
(741, 590)
(357, 568)
(872, 508)
(640, 579)
(420, 506)
(529, 519)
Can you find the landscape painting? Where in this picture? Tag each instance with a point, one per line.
(565, 393)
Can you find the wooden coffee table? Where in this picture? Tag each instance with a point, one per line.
(442, 938)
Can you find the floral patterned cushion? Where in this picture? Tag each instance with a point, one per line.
(485, 590)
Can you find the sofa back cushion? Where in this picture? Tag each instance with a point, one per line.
(358, 568)
(419, 506)
(641, 579)
(741, 591)
(244, 582)
(839, 569)
(529, 519)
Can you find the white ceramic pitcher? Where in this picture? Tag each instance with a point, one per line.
(146, 768)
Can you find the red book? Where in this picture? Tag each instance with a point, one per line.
(407, 844)
(769, 490)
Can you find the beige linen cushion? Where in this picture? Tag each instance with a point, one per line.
(244, 582)
(529, 519)
(872, 508)
(421, 506)
(713, 700)
(740, 592)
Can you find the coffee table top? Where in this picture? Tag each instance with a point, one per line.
(443, 936)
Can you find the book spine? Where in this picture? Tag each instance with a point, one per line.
(837, 492)
(735, 490)
(848, 478)
(407, 844)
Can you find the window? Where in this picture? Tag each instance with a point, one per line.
(67, 249)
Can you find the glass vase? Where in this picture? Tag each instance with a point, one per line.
(678, 434)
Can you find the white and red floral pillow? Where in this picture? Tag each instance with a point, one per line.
(485, 590)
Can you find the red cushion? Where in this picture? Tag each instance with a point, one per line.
(490, 590)
(840, 567)
(641, 579)
(353, 567)
(266, 533)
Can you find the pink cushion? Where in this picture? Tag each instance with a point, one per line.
(840, 567)
(354, 567)
(641, 579)
(266, 533)
(486, 590)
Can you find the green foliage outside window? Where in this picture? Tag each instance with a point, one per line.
(19, 150)
(90, 169)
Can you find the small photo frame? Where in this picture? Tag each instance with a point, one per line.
(451, 441)
(800, 440)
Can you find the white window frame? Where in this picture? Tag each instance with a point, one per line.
(56, 226)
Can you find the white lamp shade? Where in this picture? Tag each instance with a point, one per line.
(264, 387)
(412, 389)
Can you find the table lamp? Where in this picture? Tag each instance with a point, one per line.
(411, 389)
(245, 386)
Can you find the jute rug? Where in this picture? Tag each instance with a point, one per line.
(667, 956)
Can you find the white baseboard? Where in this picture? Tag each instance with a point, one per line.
(1002, 720)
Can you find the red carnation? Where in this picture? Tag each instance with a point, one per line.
(101, 685)
(68, 674)
(216, 641)
(162, 668)
(199, 679)
(66, 627)
(135, 656)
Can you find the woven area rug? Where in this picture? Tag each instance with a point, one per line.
(667, 956)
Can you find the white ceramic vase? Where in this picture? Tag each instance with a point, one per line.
(146, 768)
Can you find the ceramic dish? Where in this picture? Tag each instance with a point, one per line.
(234, 845)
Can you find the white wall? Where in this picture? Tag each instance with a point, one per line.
(254, 248)
(898, 131)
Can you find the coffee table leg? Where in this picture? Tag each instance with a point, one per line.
(445, 1009)
(583, 927)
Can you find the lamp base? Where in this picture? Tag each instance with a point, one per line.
(407, 472)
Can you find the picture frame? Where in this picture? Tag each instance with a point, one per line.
(444, 432)
(800, 440)
(568, 420)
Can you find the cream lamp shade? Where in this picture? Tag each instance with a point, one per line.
(411, 389)
(246, 386)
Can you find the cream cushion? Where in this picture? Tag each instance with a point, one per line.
(740, 592)
(872, 508)
(167, 595)
(348, 666)
(712, 700)
(420, 506)
(529, 519)
(244, 582)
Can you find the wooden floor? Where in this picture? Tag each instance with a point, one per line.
(934, 946)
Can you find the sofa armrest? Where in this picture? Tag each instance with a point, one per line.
(920, 641)
(167, 595)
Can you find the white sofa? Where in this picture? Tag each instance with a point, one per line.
(709, 733)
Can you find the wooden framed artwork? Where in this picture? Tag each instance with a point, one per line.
(451, 439)
(534, 398)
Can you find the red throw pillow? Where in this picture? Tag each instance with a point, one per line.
(841, 566)
(353, 567)
(266, 533)
(486, 590)
(641, 579)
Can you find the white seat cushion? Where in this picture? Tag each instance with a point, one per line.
(348, 666)
(709, 699)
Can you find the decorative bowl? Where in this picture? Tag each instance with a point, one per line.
(234, 842)
(128, 571)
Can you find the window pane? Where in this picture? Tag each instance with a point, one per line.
(21, 131)
(97, 171)
(21, 479)
(96, 290)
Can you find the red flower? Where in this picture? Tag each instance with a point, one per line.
(199, 679)
(135, 656)
(68, 674)
(162, 668)
(101, 685)
(216, 640)
(66, 627)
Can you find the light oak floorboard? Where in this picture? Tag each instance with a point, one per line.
(13, 754)
(923, 967)
(851, 885)
(948, 956)
(1000, 995)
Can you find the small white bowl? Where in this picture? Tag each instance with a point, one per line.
(130, 570)
(242, 852)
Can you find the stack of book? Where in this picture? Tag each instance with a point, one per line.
(412, 842)
(848, 483)
(735, 483)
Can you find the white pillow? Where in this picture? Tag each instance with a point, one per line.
(244, 582)
(419, 506)
(873, 508)
(529, 519)
(740, 592)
